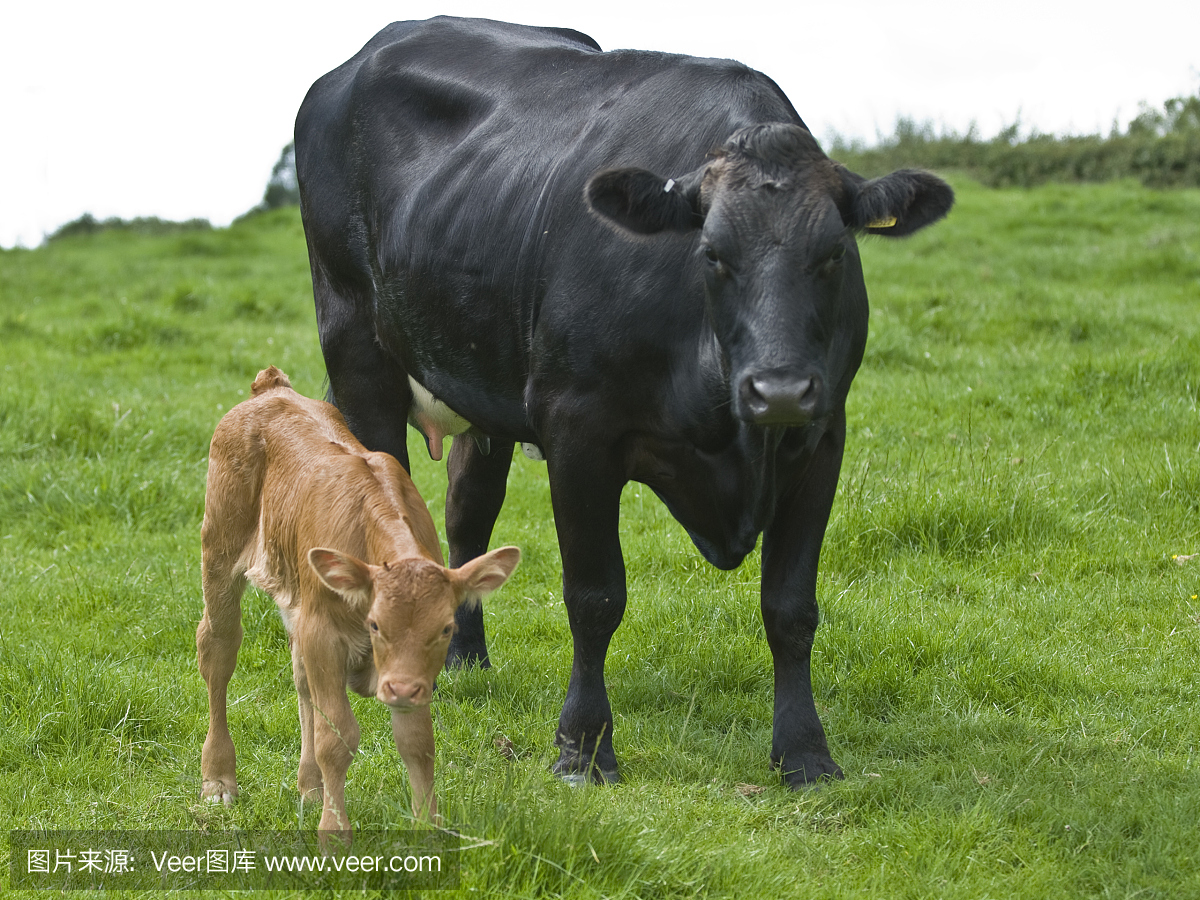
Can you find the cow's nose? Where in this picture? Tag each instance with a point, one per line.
(775, 399)
(395, 692)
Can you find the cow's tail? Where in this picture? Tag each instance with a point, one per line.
(267, 380)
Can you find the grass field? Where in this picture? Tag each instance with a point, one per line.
(1008, 666)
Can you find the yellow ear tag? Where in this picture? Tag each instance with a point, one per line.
(886, 222)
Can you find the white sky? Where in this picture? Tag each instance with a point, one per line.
(128, 108)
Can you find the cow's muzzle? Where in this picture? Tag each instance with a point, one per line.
(772, 398)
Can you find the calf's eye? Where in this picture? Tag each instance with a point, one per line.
(711, 255)
(374, 626)
(446, 632)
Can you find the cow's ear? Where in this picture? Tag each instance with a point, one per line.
(343, 574)
(645, 203)
(897, 204)
(484, 574)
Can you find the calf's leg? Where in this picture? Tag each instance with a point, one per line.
(335, 730)
(218, 637)
(473, 499)
(412, 729)
(308, 778)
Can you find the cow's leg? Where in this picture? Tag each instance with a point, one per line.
(586, 494)
(412, 729)
(308, 777)
(791, 550)
(218, 637)
(366, 383)
(335, 730)
(473, 500)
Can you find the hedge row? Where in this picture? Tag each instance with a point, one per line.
(1160, 149)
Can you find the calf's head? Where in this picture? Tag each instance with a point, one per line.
(777, 221)
(409, 607)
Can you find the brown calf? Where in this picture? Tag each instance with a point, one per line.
(286, 478)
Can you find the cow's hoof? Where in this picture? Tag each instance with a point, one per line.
(466, 658)
(807, 770)
(219, 792)
(598, 776)
(580, 776)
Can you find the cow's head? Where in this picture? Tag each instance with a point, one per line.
(409, 607)
(777, 221)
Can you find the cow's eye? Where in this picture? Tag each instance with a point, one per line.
(716, 265)
(447, 631)
(374, 626)
(833, 260)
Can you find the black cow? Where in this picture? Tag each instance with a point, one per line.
(639, 265)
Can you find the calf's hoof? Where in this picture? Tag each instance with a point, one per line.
(807, 770)
(219, 791)
(310, 783)
(333, 840)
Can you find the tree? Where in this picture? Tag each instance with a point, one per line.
(282, 188)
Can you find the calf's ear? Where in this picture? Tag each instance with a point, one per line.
(484, 574)
(645, 203)
(897, 204)
(343, 574)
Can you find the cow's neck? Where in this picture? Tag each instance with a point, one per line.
(720, 479)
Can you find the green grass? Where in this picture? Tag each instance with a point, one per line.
(1009, 656)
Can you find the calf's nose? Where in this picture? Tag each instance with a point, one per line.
(779, 399)
(397, 692)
